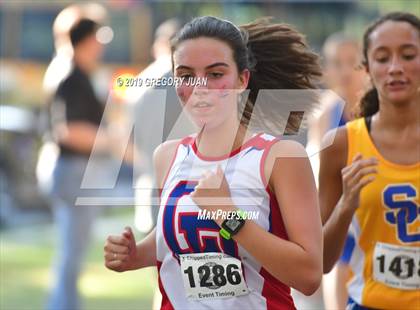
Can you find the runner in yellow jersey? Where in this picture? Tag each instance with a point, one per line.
(370, 176)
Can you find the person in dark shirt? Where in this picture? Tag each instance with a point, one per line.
(76, 114)
(82, 109)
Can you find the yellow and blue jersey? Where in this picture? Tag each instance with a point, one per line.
(386, 259)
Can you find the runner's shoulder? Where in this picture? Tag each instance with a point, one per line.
(162, 158)
(334, 145)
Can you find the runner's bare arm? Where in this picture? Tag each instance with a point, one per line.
(162, 158)
(121, 252)
(332, 159)
(296, 262)
(339, 189)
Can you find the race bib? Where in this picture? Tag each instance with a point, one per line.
(212, 275)
(397, 266)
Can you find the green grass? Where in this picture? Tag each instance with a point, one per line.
(25, 277)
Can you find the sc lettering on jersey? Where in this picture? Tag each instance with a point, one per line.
(404, 211)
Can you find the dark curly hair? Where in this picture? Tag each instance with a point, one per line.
(369, 103)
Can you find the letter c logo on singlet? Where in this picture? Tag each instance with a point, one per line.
(404, 210)
(200, 235)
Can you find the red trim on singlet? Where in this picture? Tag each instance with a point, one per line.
(251, 142)
(267, 147)
(166, 303)
(184, 141)
(276, 293)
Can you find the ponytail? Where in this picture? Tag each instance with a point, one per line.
(279, 58)
(369, 104)
(276, 55)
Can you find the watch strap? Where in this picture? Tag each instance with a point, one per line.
(226, 234)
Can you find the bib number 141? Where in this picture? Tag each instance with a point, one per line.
(397, 266)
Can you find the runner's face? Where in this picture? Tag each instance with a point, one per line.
(210, 60)
(394, 61)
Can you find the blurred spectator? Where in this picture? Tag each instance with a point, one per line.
(158, 117)
(61, 63)
(57, 70)
(343, 75)
(76, 114)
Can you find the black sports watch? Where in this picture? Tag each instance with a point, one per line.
(231, 227)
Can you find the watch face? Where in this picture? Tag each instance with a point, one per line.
(233, 224)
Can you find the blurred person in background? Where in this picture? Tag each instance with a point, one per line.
(343, 75)
(157, 117)
(76, 114)
(61, 63)
(58, 69)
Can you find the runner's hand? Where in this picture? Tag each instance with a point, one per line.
(355, 177)
(120, 252)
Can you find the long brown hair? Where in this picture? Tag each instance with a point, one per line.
(276, 55)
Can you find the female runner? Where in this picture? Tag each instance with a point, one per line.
(370, 176)
(230, 261)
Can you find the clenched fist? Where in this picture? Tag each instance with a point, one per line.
(212, 190)
(120, 252)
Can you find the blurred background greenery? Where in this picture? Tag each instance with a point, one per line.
(26, 274)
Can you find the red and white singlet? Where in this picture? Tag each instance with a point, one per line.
(199, 269)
